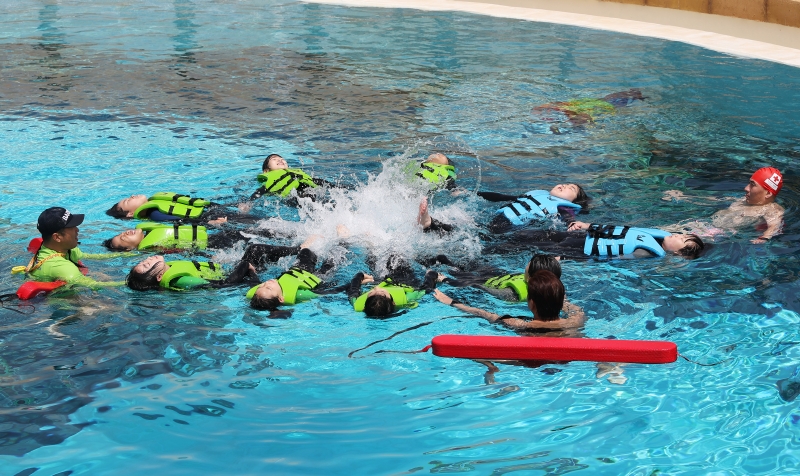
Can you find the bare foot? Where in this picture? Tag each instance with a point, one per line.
(424, 218)
(342, 231)
(218, 221)
(310, 240)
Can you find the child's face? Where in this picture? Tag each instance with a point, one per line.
(277, 162)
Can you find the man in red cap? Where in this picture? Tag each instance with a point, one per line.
(58, 258)
(758, 208)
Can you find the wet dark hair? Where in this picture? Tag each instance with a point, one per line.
(582, 199)
(264, 304)
(378, 306)
(692, 247)
(266, 161)
(543, 261)
(547, 293)
(109, 246)
(143, 281)
(116, 211)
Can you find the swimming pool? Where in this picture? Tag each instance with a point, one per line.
(102, 100)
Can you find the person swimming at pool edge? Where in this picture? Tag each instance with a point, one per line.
(580, 112)
(168, 206)
(546, 300)
(757, 208)
(277, 178)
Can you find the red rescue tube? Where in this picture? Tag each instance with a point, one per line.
(554, 348)
(31, 289)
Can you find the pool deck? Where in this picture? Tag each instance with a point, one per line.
(734, 36)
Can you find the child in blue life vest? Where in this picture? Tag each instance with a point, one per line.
(564, 201)
(584, 241)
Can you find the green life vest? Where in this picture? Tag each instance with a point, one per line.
(172, 204)
(290, 282)
(402, 295)
(283, 181)
(590, 107)
(513, 281)
(436, 174)
(197, 269)
(173, 236)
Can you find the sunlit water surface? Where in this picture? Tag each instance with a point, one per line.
(103, 99)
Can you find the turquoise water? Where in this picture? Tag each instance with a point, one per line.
(104, 99)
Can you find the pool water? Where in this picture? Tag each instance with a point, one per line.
(103, 99)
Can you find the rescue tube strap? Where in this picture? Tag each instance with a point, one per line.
(704, 365)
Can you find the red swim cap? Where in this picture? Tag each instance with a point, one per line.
(770, 178)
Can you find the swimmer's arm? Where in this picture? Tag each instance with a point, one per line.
(91, 283)
(774, 226)
(497, 197)
(109, 255)
(258, 193)
(445, 299)
(354, 288)
(575, 315)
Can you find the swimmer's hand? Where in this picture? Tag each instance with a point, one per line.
(367, 279)
(578, 225)
(342, 231)
(673, 196)
(442, 297)
(758, 241)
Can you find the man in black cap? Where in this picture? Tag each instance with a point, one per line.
(58, 258)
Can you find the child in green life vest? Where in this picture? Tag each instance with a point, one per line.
(298, 284)
(156, 273)
(169, 237)
(546, 301)
(173, 207)
(439, 171)
(502, 285)
(277, 178)
(400, 288)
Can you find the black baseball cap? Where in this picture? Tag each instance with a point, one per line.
(55, 219)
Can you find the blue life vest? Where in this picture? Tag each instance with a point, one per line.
(532, 205)
(622, 240)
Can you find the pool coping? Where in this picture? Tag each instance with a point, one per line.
(618, 18)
